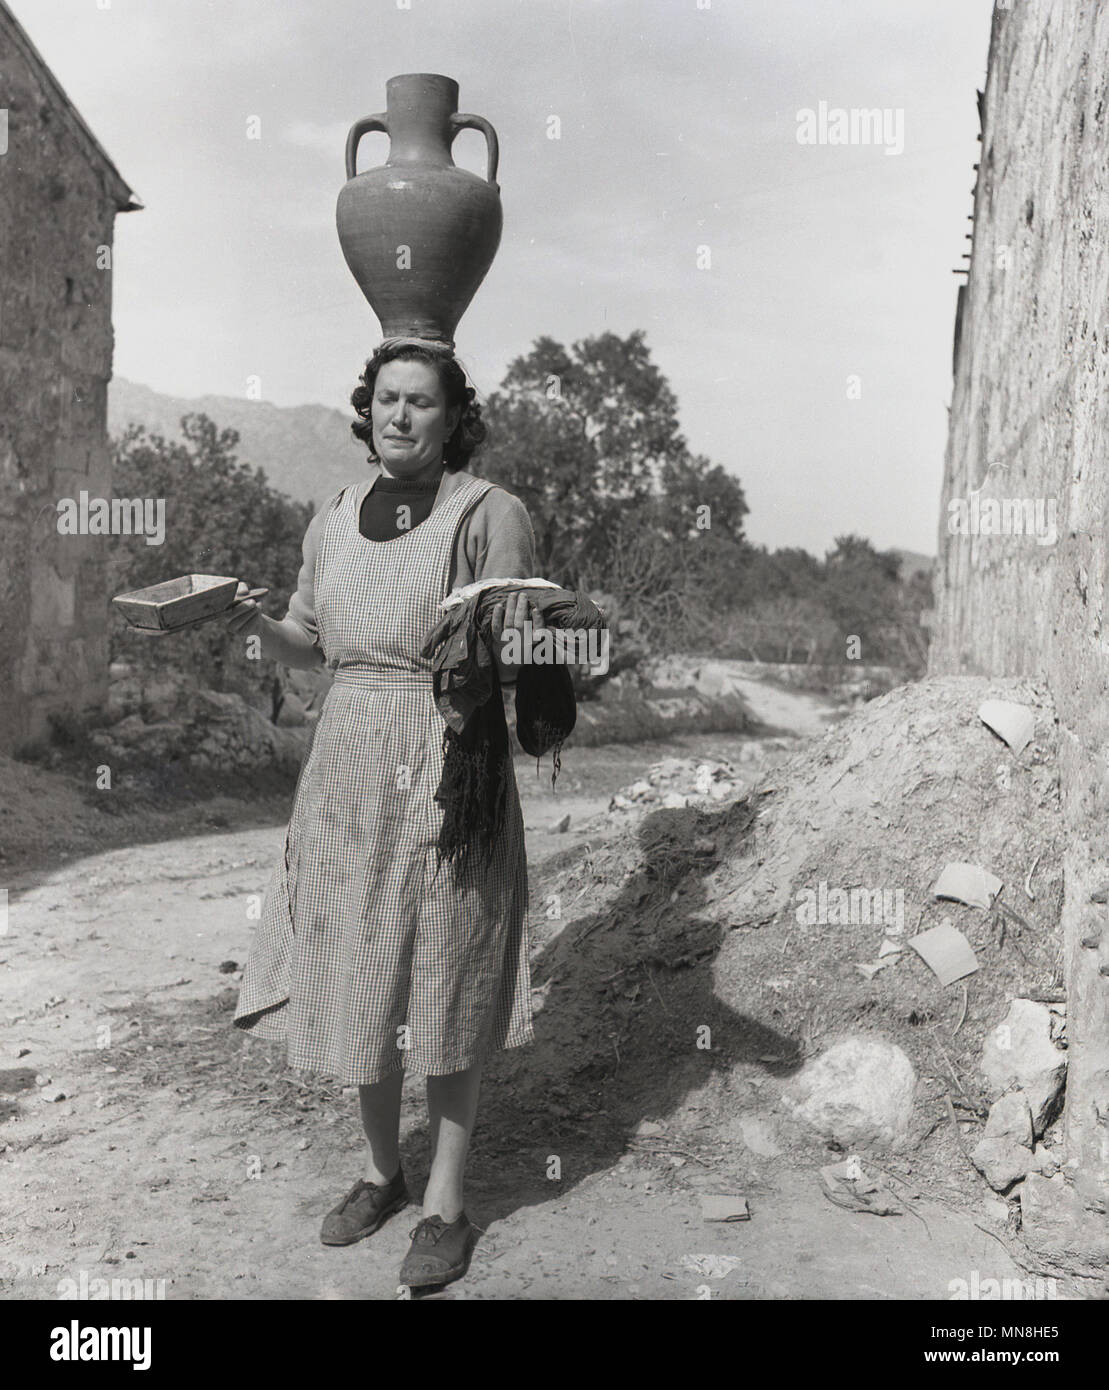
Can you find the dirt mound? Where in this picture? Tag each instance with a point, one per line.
(36, 807)
(688, 966)
(52, 813)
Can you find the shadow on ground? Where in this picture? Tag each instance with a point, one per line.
(630, 1028)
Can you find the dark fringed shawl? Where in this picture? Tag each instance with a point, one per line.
(477, 758)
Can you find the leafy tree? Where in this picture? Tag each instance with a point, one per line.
(862, 592)
(221, 517)
(905, 640)
(782, 628)
(588, 438)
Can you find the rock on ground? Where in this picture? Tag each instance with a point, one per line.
(205, 729)
(1004, 1154)
(1010, 1118)
(859, 1092)
(1020, 1053)
(1002, 1162)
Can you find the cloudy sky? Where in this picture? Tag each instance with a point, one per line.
(811, 356)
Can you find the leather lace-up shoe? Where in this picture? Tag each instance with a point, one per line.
(440, 1252)
(365, 1207)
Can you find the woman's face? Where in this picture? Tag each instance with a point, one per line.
(411, 422)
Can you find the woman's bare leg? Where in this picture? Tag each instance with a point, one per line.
(380, 1105)
(451, 1108)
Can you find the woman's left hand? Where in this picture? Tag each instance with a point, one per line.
(514, 612)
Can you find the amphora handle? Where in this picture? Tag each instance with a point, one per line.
(466, 122)
(357, 130)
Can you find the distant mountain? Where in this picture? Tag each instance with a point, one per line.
(307, 451)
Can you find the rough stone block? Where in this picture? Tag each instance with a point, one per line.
(1019, 1053)
(1061, 1225)
(1010, 1118)
(1001, 1161)
(859, 1092)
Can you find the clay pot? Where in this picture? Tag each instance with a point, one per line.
(419, 234)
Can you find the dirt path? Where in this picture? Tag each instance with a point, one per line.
(178, 1150)
(792, 711)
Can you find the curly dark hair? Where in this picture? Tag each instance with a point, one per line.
(470, 430)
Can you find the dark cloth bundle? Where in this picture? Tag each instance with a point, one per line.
(477, 758)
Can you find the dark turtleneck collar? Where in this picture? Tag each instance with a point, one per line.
(386, 484)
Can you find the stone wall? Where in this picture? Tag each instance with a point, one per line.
(1030, 421)
(58, 198)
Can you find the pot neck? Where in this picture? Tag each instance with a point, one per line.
(418, 111)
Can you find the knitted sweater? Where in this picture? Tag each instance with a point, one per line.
(495, 540)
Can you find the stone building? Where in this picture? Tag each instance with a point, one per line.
(1023, 586)
(59, 194)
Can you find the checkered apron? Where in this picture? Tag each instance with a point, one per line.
(370, 956)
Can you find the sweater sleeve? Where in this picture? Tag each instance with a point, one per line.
(496, 541)
(302, 604)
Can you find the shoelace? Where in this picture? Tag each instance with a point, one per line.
(433, 1226)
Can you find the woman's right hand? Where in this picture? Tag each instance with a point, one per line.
(282, 641)
(244, 615)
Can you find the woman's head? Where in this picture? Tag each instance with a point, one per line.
(415, 406)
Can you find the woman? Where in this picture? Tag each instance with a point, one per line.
(371, 957)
